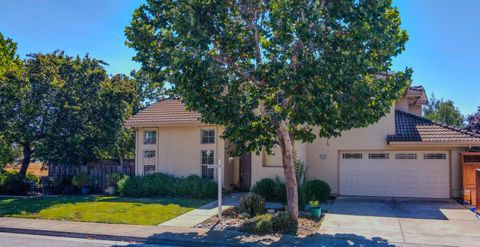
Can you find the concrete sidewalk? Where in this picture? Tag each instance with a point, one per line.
(197, 216)
(179, 236)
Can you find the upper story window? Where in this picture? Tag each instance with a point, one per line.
(208, 136)
(150, 137)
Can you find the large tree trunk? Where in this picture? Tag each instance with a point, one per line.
(27, 156)
(286, 145)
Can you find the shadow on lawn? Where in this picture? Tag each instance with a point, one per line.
(28, 205)
(234, 238)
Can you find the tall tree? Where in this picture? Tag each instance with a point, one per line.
(64, 109)
(443, 111)
(269, 70)
(9, 64)
(473, 121)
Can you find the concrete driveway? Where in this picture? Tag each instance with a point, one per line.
(373, 221)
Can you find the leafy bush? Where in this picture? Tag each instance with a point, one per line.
(160, 184)
(63, 186)
(265, 187)
(112, 179)
(13, 184)
(81, 180)
(282, 223)
(317, 190)
(195, 186)
(280, 193)
(300, 171)
(266, 223)
(252, 204)
(261, 224)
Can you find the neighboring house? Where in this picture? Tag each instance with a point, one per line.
(402, 155)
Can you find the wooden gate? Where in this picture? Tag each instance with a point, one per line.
(470, 163)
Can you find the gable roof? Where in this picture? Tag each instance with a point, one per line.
(168, 111)
(412, 128)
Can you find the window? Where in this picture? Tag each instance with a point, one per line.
(150, 137)
(434, 156)
(208, 136)
(378, 156)
(405, 156)
(351, 156)
(149, 162)
(207, 159)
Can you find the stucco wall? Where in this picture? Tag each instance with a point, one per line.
(178, 150)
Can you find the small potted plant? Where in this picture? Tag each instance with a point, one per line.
(111, 181)
(82, 181)
(315, 208)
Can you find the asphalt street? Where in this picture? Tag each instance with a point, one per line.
(26, 240)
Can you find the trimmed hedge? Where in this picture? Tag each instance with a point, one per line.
(265, 187)
(317, 190)
(160, 184)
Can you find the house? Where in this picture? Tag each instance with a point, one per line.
(402, 155)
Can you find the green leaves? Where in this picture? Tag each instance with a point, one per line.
(247, 65)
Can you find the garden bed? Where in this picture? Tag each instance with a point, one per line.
(232, 219)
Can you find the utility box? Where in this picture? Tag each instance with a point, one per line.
(470, 165)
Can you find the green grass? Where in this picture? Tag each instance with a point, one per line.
(115, 210)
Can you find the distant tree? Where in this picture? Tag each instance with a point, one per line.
(473, 121)
(149, 89)
(9, 64)
(64, 109)
(270, 70)
(443, 111)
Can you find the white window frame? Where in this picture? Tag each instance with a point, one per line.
(145, 137)
(210, 172)
(209, 137)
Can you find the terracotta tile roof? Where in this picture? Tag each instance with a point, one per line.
(412, 128)
(169, 111)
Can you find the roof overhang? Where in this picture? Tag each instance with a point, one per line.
(164, 124)
(437, 144)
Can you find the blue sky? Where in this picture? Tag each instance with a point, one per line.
(443, 50)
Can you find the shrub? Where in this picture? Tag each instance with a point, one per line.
(12, 183)
(317, 190)
(300, 171)
(261, 224)
(195, 186)
(265, 187)
(112, 179)
(282, 223)
(266, 223)
(81, 180)
(160, 184)
(281, 194)
(63, 186)
(252, 204)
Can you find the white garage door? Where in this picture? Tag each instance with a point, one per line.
(395, 174)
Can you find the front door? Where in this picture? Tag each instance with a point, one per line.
(245, 172)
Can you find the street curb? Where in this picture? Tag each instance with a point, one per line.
(156, 240)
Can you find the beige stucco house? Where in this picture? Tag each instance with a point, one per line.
(402, 155)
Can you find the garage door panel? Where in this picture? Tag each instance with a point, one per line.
(418, 177)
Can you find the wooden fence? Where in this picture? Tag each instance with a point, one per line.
(96, 170)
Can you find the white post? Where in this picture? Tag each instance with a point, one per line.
(220, 176)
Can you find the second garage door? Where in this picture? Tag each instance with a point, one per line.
(395, 174)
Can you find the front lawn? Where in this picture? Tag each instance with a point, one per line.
(118, 210)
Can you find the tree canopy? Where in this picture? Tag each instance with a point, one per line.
(270, 70)
(66, 110)
(443, 111)
(473, 121)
